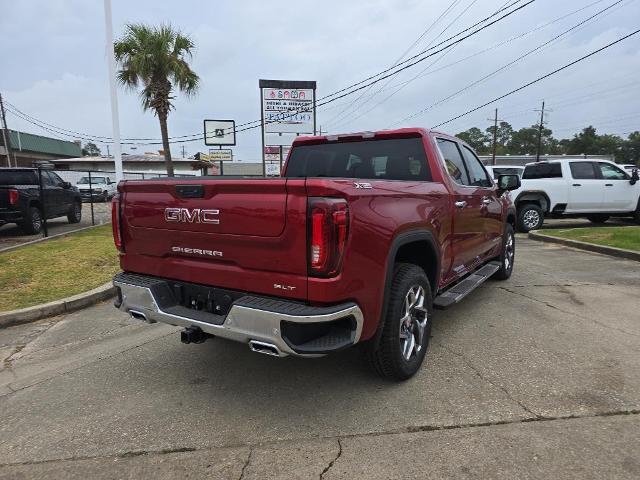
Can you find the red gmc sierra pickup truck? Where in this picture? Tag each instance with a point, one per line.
(357, 242)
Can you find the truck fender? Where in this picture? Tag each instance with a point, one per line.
(398, 241)
(522, 197)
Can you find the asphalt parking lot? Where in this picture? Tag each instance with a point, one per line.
(535, 377)
(11, 234)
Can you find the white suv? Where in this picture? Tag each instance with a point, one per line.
(595, 189)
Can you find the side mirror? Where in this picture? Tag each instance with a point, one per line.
(634, 176)
(507, 183)
(66, 185)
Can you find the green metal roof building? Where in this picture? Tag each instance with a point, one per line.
(28, 148)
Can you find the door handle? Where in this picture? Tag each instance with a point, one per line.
(577, 184)
(461, 204)
(608, 184)
(486, 200)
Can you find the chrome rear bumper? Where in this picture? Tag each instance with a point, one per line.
(250, 320)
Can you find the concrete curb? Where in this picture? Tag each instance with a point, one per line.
(57, 307)
(44, 239)
(591, 247)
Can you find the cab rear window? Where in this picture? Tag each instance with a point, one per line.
(390, 159)
(18, 177)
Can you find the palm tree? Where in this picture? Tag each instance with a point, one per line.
(155, 58)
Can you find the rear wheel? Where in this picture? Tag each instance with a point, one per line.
(75, 213)
(407, 325)
(599, 218)
(508, 255)
(530, 217)
(32, 224)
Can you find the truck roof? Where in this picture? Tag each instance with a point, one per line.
(399, 132)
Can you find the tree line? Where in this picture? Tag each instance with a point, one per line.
(525, 141)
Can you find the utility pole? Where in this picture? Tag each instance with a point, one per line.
(540, 132)
(183, 153)
(111, 61)
(6, 136)
(495, 137)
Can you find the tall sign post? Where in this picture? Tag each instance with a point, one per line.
(115, 119)
(288, 109)
(220, 133)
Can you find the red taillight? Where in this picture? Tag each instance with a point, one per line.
(115, 222)
(329, 226)
(13, 197)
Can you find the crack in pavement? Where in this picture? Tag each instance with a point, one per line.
(568, 312)
(78, 367)
(332, 462)
(406, 430)
(246, 464)
(25, 340)
(479, 374)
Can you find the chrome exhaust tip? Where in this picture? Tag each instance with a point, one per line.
(136, 315)
(266, 348)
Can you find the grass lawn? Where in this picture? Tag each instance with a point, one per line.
(620, 237)
(57, 268)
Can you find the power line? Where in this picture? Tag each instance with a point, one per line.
(428, 29)
(512, 62)
(451, 6)
(528, 84)
(358, 86)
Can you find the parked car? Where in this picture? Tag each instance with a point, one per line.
(97, 188)
(593, 189)
(496, 170)
(21, 203)
(356, 243)
(629, 167)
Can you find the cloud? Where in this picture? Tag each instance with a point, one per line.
(58, 68)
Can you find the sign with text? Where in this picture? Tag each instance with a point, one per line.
(288, 110)
(224, 155)
(219, 132)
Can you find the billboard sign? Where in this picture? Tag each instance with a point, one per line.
(219, 132)
(288, 110)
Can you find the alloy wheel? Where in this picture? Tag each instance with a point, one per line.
(413, 322)
(531, 219)
(509, 252)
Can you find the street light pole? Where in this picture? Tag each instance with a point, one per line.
(111, 60)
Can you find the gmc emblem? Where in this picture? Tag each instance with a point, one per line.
(191, 215)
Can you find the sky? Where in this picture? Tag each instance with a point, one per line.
(53, 64)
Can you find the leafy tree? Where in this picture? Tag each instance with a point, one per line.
(630, 152)
(155, 58)
(90, 150)
(503, 137)
(525, 141)
(478, 140)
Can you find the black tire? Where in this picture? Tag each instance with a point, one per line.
(508, 255)
(387, 357)
(530, 217)
(105, 197)
(32, 223)
(599, 218)
(75, 213)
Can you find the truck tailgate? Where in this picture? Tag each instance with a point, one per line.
(235, 233)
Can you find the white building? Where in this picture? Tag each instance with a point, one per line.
(149, 163)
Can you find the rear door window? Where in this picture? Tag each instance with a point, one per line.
(389, 159)
(542, 170)
(453, 161)
(583, 170)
